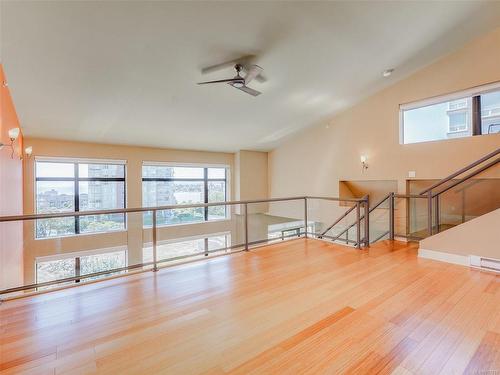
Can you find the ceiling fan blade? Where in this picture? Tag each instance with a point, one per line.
(248, 90)
(230, 80)
(253, 71)
(239, 60)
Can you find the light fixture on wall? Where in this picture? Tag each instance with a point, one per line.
(28, 151)
(364, 163)
(13, 135)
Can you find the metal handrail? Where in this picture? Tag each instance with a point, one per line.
(381, 236)
(338, 220)
(163, 208)
(460, 171)
(470, 175)
(154, 263)
(361, 218)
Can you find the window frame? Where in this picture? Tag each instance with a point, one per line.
(205, 181)
(472, 94)
(76, 256)
(76, 179)
(206, 237)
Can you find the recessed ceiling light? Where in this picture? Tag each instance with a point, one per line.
(388, 72)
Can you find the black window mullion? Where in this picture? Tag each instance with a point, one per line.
(205, 183)
(476, 115)
(77, 199)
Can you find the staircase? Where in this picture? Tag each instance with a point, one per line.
(466, 194)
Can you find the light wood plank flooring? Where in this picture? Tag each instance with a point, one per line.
(297, 307)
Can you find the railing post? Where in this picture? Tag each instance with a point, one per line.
(305, 217)
(246, 226)
(358, 226)
(155, 259)
(429, 212)
(436, 214)
(367, 220)
(391, 216)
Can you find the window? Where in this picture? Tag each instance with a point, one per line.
(51, 269)
(472, 112)
(490, 113)
(78, 186)
(170, 185)
(189, 247)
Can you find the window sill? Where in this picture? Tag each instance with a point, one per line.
(458, 131)
(184, 224)
(81, 235)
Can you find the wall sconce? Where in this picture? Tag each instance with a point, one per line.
(13, 135)
(28, 151)
(364, 164)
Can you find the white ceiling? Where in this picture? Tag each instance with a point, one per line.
(126, 72)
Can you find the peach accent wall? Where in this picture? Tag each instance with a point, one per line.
(11, 193)
(314, 161)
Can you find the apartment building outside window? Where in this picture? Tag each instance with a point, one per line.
(464, 114)
(67, 186)
(164, 185)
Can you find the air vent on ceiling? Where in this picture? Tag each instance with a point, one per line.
(485, 263)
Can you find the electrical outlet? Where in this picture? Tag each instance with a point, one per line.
(412, 174)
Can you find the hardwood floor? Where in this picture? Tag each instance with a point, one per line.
(298, 307)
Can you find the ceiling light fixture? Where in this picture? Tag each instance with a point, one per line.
(386, 73)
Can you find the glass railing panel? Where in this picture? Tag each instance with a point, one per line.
(275, 221)
(71, 258)
(333, 220)
(380, 222)
(192, 239)
(411, 216)
(468, 200)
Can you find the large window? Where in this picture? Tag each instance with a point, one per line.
(472, 112)
(63, 186)
(57, 268)
(164, 185)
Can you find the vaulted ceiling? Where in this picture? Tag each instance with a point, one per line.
(126, 72)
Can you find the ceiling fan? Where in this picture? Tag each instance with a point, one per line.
(240, 82)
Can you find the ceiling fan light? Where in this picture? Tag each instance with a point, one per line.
(238, 84)
(387, 73)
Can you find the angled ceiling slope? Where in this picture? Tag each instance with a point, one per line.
(126, 72)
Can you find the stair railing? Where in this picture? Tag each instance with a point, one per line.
(433, 229)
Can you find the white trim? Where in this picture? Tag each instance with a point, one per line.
(181, 164)
(462, 260)
(149, 244)
(79, 160)
(81, 253)
(463, 94)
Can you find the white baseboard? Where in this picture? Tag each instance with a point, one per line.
(462, 260)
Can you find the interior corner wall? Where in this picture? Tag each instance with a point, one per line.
(323, 155)
(11, 194)
(251, 175)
